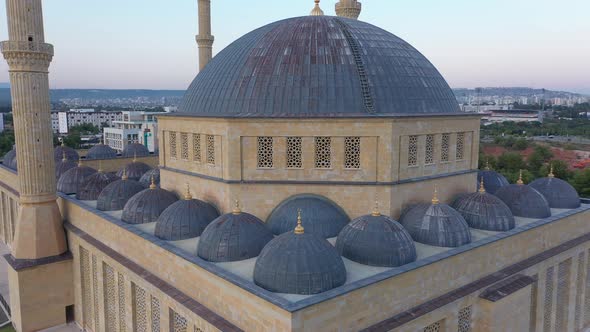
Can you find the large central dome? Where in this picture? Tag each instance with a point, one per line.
(319, 66)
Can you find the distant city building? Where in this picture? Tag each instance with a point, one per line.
(138, 127)
(61, 122)
(514, 115)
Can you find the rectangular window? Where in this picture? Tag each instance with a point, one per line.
(352, 151)
(210, 149)
(434, 327)
(140, 319)
(184, 146)
(429, 155)
(110, 297)
(444, 148)
(465, 320)
(323, 152)
(265, 152)
(177, 322)
(413, 151)
(460, 146)
(197, 147)
(294, 152)
(173, 151)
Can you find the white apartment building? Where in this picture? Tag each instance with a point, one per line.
(61, 122)
(138, 127)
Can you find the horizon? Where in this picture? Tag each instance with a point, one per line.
(150, 45)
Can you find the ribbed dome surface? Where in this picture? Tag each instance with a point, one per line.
(376, 240)
(70, 181)
(71, 154)
(135, 170)
(146, 179)
(299, 264)
(101, 151)
(233, 237)
(185, 219)
(524, 201)
(63, 166)
(322, 216)
(485, 211)
(9, 159)
(437, 225)
(135, 150)
(559, 194)
(146, 206)
(492, 180)
(318, 66)
(115, 195)
(91, 188)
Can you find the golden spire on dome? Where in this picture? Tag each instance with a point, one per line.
(124, 177)
(488, 164)
(317, 11)
(153, 183)
(64, 157)
(435, 199)
(551, 174)
(482, 188)
(100, 170)
(236, 209)
(299, 228)
(376, 212)
(520, 181)
(187, 194)
(135, 156)
(79, 162)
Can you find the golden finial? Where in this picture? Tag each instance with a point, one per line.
(153, 183)
(482, 188)
(487, 164)
(187, 194)
(435, 199)
(299, 228)
(100, 170)
(551, 174)
(376, 212)
(135, 156)
(124, 177)
(64, 157)
(317, 11)
(236, 209)
(63, 144)
(520, 181)
(79, 162)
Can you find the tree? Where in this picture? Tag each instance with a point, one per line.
(511, 162)
(521, 144)
(560, 170)
(73, 140)
(540, 156)
(581, 181)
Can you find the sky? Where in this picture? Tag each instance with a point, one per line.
(128, 44)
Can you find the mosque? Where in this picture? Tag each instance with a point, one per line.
(319, 176)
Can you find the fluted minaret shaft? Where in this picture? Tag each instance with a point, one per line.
(348, 8)
(204, 38)
(28, 58)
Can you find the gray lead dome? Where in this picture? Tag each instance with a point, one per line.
(185, 219)
(9, 159)
(135, 150)
(146, 179)
(524, 201)
(492, 180)
(275, 71)
(146, 206)
(135, 170)
(485, 211)
(299, 264)
(437, 225)
(558, 193)
(91, 188)
(115, 195)
(70, 153)
(322, 216)
(376, 240)
(233, 237)
(101, 151)
(70, 181)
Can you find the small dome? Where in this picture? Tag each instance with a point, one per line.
(146, 179)
(297, 262)
(233, 237)
(59, 151)
(135, 170)
(185, 219)
(436, 224)
(492, 180)
(70, 181)
(135, 150)
(376, 240)
(115, 195)
(101, 151)
(9, 159)
(485, 211)
(558, 193)
(63, 166)
(524, 201)
(91, 188)
(323, 217)
(146, 206)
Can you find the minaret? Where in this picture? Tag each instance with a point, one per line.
(39, 229)
(348, 8)
(204, 38)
